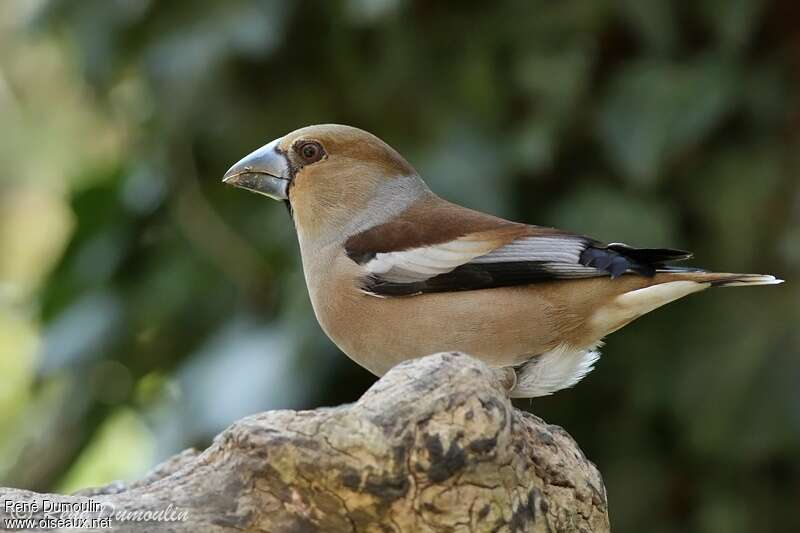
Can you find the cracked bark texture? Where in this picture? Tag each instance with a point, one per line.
(435, 445)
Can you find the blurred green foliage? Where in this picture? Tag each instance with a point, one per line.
(143, 306)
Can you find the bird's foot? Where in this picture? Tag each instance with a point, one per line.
(507, 377)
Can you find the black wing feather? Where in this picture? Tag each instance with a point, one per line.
(617, 259)
(614, 260)
(468, 277)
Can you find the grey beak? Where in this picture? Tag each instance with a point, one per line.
(264, 171)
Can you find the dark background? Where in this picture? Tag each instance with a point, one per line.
(144, 306)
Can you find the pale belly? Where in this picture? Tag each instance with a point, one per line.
(502, 327)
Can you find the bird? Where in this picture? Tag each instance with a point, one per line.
(394, 272)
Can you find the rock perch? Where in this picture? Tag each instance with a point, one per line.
(435, 445)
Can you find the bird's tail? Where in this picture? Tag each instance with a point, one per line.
(669, 285)
(722, 279)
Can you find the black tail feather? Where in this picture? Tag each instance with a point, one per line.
(618, 258)
(650, 255)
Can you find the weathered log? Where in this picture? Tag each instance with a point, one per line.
(435, 445)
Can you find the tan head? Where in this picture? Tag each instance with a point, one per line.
(333, 177)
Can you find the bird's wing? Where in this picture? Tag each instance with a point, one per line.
(455, 249)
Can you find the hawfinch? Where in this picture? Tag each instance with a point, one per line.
(395, 272)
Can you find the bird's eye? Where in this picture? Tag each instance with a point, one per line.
(311, 152)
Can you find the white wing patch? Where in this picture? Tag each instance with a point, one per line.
(419, 264)
(549, 249)
(559, 254)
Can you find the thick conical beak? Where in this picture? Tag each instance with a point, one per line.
(264, 171)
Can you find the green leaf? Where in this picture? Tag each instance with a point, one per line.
(653, 112)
